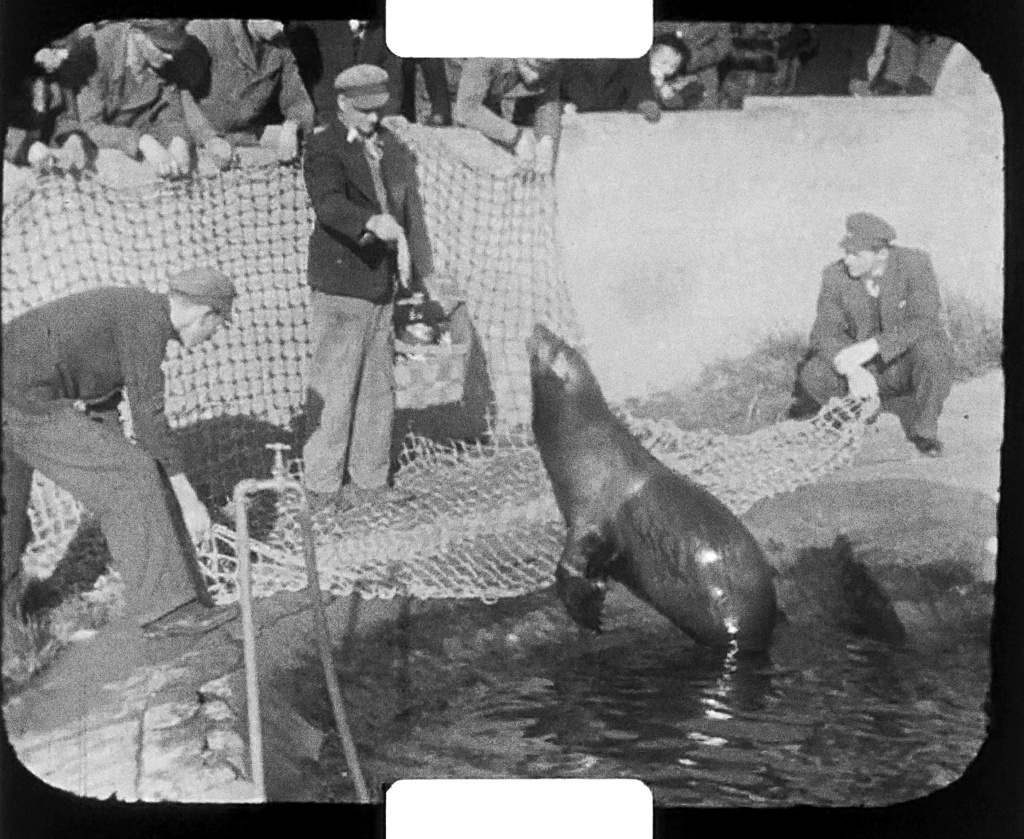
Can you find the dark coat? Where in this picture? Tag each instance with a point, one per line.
(343, 258)
(88, 347)
(908, 306)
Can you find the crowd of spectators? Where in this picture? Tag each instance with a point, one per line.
(178, 94)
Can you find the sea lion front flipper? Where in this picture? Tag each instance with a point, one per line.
(583, 595)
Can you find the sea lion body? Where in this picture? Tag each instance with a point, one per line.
(632, 519)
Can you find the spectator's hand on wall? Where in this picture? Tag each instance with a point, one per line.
(41, 157)
(220, 152)
(72, 154)
(181, 157)
(526, 147)
(544, 156)
(288, 142)
(650, 109)
(385, 227)
(157, 156)
(855, 356)
(50, 59)
(862, 384)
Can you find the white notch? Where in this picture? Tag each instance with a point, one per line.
(526, 28)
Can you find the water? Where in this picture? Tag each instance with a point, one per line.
(513, 690)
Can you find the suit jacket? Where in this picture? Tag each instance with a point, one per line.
(908, 305)
(343, 259)
(242, 86)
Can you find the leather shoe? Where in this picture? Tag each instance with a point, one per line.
(928, 446)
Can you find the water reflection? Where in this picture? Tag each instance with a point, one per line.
(826, 718)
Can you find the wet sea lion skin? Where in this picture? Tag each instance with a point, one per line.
(632, 519)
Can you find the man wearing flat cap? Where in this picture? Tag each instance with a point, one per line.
(131, 102)
(877, 331)
(369, 235)
(65, 361)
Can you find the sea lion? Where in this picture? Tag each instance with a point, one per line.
(634, 520)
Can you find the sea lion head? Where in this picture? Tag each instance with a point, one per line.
(552, 360)
(564, 388)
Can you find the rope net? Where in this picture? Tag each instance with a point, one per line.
(482, 520)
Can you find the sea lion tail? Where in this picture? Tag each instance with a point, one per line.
(583, 598)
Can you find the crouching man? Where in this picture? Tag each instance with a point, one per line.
(78, 351)
(878, 332)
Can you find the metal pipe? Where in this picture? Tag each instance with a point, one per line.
(281, 482)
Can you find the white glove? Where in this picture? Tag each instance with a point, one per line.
(385, 227)
(862, 384)
(855, 355)
(220, 152)
(288, 142)
(526, 147)
(544, 158)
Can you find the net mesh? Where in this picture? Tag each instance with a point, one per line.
(482, 521)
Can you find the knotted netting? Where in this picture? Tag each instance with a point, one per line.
(481, 521)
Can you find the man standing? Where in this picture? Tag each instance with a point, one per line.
(62, 360)
(878, 331)
(369, 232)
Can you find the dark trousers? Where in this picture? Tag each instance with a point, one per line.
(923, 372)
(117, 481)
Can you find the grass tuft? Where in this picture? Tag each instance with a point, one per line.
(740, 395)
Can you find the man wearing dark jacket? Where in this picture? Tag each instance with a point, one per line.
(60, 361)
(369, 232)
(877, 330)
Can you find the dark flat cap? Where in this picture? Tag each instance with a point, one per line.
(865, 231)
(365, 86)
(207, 286)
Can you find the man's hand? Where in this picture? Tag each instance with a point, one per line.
(288, 142)
(404, 263)
(862, 384)
(50, 58)
(73, 154)
(157, 156)
(650, 110)
(41, 157)
(855, 355)
(181, 157)
(385, 227)
(544, 156)
(193, 511)
(526, 147)
(220, 152)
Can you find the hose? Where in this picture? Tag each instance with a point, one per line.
(324, 644)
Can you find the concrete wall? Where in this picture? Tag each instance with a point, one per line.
(687, 240)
